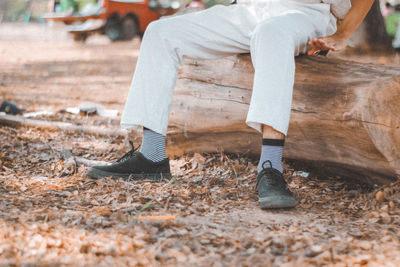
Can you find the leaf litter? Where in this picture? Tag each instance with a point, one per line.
(52, 215)
(206, 215)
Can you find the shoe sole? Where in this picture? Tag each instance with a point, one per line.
(154, 177)
(275, 202)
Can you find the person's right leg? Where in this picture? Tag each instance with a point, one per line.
(396, 40)
(212, 33)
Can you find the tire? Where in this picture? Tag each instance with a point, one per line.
(113, 29)
(130, 28)
(80, 37)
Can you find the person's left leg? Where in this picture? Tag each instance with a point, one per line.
(274, 44)
(396, 40)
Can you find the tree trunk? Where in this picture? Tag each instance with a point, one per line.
(344, 118)
(372, 32)
(375, 25)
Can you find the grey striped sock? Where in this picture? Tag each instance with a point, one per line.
(272, 151)
(153, 145)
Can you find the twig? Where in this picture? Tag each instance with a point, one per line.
(157, 217)
(128, 209)
(89, 162)
(66, 154)
(16, 121)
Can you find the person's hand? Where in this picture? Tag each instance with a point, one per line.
(334, 42)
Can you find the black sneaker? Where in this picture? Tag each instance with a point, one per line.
(273, 192)
(133, 166)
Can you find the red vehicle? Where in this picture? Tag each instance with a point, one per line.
(118, 19)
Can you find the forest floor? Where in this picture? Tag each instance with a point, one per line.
(51, 214)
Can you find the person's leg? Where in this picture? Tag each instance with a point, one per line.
(273, 46)
(153, 145)
(272, 148)
(206, 34)
(396, 40)
(212, 33)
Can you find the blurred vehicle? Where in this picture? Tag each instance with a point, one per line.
(118, 19)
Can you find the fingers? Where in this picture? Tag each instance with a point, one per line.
(315, 46)
(312, 51)
(318, 45)
(325, 46)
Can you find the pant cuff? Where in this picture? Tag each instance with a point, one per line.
(138, 125)
(257, 125)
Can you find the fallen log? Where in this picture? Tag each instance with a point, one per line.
(345, 115)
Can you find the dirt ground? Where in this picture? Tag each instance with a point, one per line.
(51, 214)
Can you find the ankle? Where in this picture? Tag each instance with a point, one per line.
(153, 145)
(271, 150)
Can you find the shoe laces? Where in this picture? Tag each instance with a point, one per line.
(271, 176)
(129, 154)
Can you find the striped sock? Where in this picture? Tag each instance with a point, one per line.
(272, 150)
(153, 145)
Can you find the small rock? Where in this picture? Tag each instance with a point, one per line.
(301, 174)
(365, 245)
(385, 218)
(277, 252)
(385, 208)
(362, 259)
(396, 200)
(326, 255)
(161, 257)
(314, 251)
(112, 251)
(251, 251)
(379, 196)
(85, 248)
(386, 239)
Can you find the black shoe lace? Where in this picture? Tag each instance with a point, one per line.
(271, 176)
(129, 154)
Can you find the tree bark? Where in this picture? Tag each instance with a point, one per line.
(372, 32)
(375, 27)
(344, 114)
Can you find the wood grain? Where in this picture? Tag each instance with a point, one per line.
(345, 115)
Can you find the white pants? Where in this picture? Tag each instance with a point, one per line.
(273, 31)
(396, 40)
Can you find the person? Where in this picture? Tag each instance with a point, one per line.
(196, 4)
(273, 31)
(393, 27)
(387, 10)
